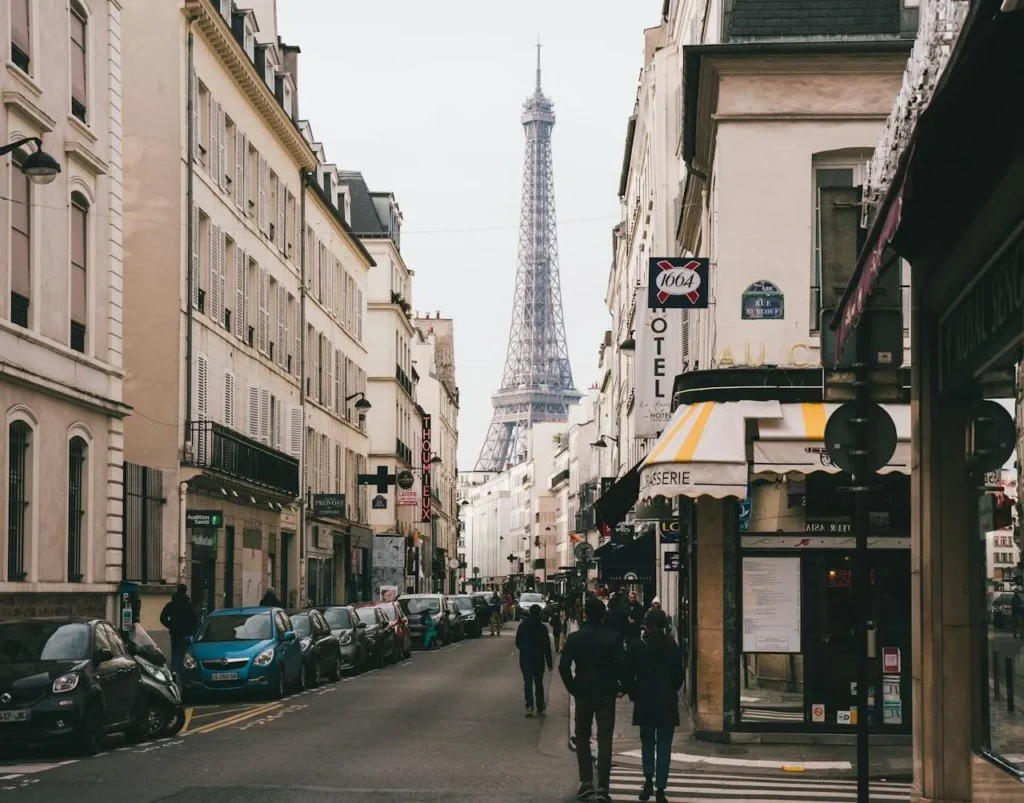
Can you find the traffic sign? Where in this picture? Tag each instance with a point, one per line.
(584, 551)
(860, 437)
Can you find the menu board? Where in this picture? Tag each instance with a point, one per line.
(771, 604)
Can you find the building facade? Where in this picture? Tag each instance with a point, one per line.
(61, 306)
(486, 502)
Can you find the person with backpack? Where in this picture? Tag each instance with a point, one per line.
(654, 675)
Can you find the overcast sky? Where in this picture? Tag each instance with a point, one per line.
(424, 98)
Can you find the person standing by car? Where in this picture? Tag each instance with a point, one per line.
(179, 617)
(593, 668)
(654, 675)
(429, 630)
(271, 600)
(534, 652)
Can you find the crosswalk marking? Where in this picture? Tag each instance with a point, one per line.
(690, 787)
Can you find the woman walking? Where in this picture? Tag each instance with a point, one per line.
(654, 667)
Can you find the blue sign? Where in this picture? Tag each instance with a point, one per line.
(763, 301)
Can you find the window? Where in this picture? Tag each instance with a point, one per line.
(78, 61)
(202, 275)
(21, 34)
(79, 270)
(18, 494)
(21, 245)
(77, 451)
(252, 189)
(143, 524)
(202, 122)
(272, 219)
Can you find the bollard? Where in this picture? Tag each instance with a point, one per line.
(1009, 684)
(995, 675)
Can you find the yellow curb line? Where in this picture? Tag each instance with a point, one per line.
(227, 712)
(250, 714)
(188, 719)
(792, 767)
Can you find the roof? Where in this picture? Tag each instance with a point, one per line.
(339, 217)
(759, 19)
(365, 219)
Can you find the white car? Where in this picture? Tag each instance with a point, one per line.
(526, 601)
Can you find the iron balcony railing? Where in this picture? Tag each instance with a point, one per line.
(403, 379)
(218, 448)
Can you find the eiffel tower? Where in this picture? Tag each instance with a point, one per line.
(537, 384)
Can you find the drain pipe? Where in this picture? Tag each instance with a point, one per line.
(182, 531)
(301, 234)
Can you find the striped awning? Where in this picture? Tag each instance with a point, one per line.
(702, 451)
(796, 441)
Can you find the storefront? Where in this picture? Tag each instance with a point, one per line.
(955, 211)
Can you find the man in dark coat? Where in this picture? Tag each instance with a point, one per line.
(654, 677)
(617, 616)
(597, 655)
(534, 653)
(634, 617)
(179, 617)
(270, 599)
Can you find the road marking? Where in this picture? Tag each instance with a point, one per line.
(762, 764)
(23, 769)
(188, 721)
(248, 714)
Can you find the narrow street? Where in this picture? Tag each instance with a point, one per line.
(446, 725)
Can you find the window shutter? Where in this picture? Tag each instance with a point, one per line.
(359, 315)
(262, 318)
(222, 139)
(315, 461)
(195, 256)
(329, 374)
(264, 195)
(247, 168)
(279, 427)
(339, 465)
(316, 269)
(339, 382)
(229, 399)
(213, 157)
(295, 432)
(316, 369)
(342, 295)
(279, 234)
(240, 295)
(265, 416)
(222, 276)
(350, 318)
(195, 117)
(239, 169)
(214, 285)
(297, 329)
(254, 413)
(202, 388)
(282, 326)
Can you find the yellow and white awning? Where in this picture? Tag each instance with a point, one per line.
(702, 451)
(796, 441)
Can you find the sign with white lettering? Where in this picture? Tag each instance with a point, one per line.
(986, 320)
(762, 301)
(678, 283)
(426, 455)
(659, 357)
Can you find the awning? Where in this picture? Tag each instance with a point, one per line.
(795, 442)
(616, 502)
(703, 452)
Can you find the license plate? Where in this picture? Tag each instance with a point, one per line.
(15, 716)
(223, 676)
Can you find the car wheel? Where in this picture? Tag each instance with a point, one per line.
(176, 724)
(301, 683)
(335, 674)
(314, 675)
(90, 730)
(154, 719)
(279, 689)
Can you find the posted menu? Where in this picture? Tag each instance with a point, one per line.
(771, 604)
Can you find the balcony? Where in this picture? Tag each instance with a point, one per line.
(559, 478)
(403, 451)
(218, 448)
(403, 379)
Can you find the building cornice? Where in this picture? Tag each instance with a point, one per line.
(218, 35)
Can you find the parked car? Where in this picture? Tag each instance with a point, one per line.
(491, 598)
(351, 635)
(526, 601)
(380, 639)
(321, 652)
(436, 606)
(1001, 609)
(240, 650)
(467, 613)
(67, 679)
(403, 641)
(456, 624)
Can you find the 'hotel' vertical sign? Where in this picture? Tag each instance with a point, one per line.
(425, 457)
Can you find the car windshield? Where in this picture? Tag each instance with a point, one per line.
(389, 612)
(28, 642)
(532, 599)
(367, 616)
(338, 618)
(300, 624)
(464, 603)
(237, 627)
(417, 605)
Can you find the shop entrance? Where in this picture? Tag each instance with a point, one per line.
(204, 580)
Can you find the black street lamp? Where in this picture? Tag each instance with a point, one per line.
(602, 442)
(39, 166)
(362, 404)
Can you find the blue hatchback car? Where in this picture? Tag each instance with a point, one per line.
(242, 650)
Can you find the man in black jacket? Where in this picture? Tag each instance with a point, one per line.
(599, 659)
(534, 652)
(179, 617)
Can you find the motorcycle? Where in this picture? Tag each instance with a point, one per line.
(163, 713)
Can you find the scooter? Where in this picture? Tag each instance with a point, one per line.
(163, 712)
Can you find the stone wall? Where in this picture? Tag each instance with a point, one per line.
(15, 606)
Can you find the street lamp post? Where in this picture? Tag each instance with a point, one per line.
(39, 166)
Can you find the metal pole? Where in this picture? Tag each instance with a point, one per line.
(192, 268)
(861, 592)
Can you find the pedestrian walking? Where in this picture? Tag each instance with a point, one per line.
(429, 631)
(656, 606)
(654, 675)
(592, 667)
(496, 620)
(556, 628)
(180, 619)
(270, 599)
(634, 617)
(617, 616)
(1017, 612)
(534, 647)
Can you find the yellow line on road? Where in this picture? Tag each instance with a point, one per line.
(188, 719)
(250, 714)
(226, 711)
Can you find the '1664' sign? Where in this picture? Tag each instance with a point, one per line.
(425, 456)
(677, 283)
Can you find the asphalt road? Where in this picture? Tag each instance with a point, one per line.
(445, 726)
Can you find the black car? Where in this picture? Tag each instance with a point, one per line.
(456, 624)
(321, 651)
(67, 679)
(434, 606)
(467, 614)
(380, 638)
(351, 635)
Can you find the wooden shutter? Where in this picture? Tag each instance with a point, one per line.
(213, 157)
(239, 169)
(262, 312)
(279, 234)
(265, 416)
(241, 274)
(339, 467)
(317, 267)
(215, 301)
(359, 315)
(342, 295)
(247, 168)
(282, 326)
(297, 331)
(329, 375)
(202, 388)
(222, 275)
(195, 117)
(314, 460)
(339, 382)
(254, 413)
(264, 195)
(222, 141)
(195, 256)
(278, 426)
(317, 388)
(295, 432)
(229, 399)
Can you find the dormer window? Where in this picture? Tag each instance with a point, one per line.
(269, 74)
(286, 98)
(225, 9)
(249, 41)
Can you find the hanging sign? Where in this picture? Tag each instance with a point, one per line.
(425, 455)
(763, 301)
(677, 283)
(671, 561)
(659, 357)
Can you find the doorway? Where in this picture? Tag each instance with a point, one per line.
(229, 567)
(204, 566)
